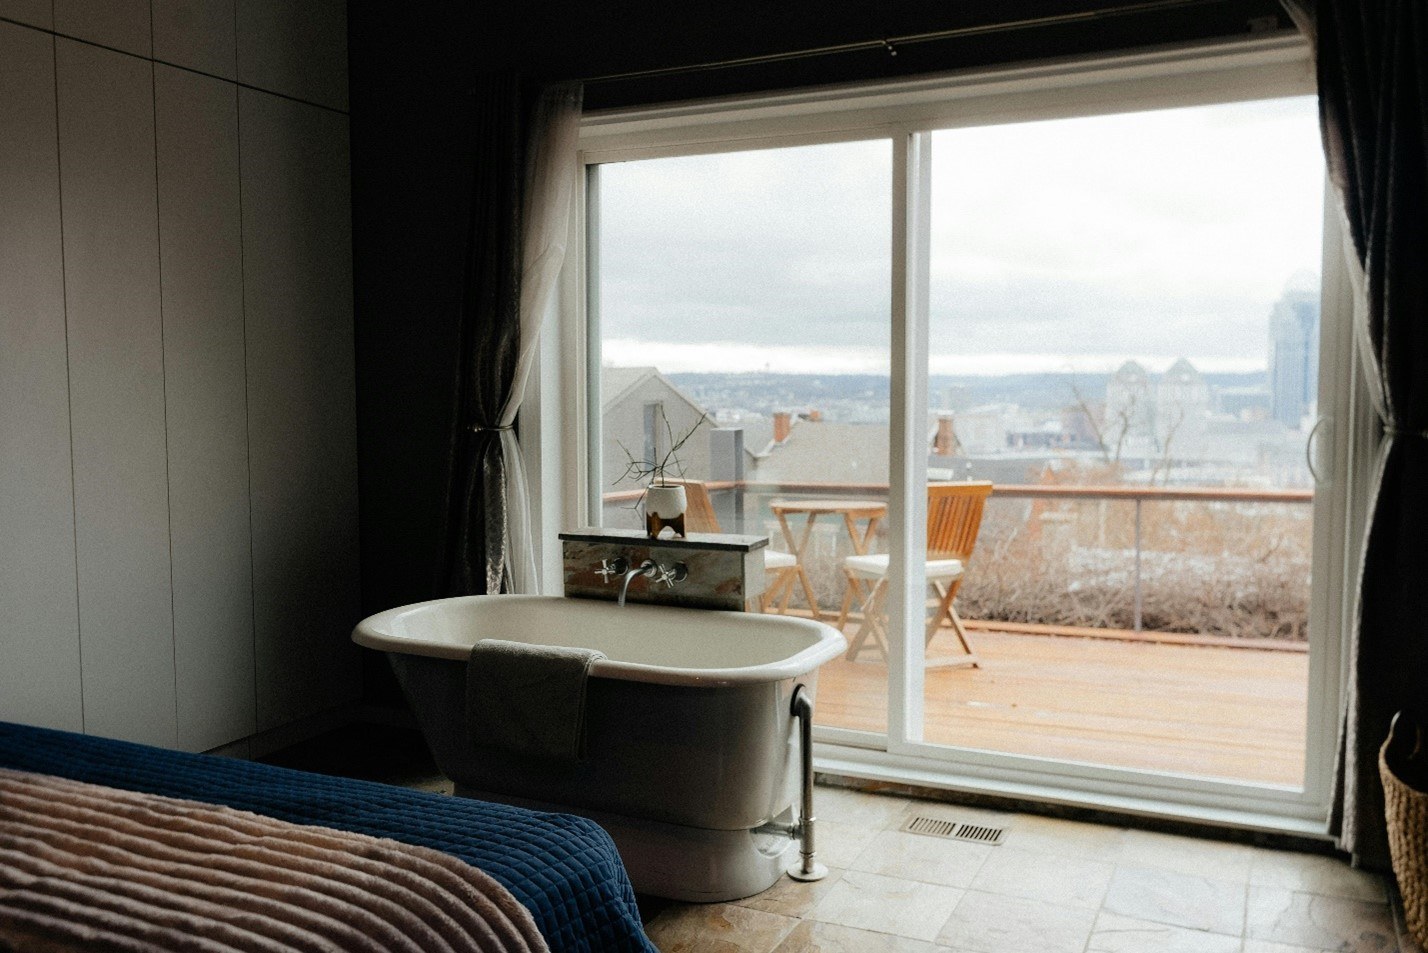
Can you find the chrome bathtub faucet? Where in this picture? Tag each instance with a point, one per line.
(646, 568)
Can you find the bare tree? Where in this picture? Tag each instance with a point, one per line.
(658, 469)
(1163, 465)
(1094, 423)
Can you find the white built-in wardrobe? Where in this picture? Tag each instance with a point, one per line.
(178, 508)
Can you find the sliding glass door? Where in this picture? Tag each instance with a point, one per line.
(1124, 334)
(743, 323)
(1034, 385)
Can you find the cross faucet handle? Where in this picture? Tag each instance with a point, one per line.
(669, 575)
(610, 568)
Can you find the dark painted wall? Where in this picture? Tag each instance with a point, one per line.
(410, 66)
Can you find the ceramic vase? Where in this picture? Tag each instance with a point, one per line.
(664, 506)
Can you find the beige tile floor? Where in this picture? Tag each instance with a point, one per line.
(1051, 886)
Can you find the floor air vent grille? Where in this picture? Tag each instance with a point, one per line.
(954, 830)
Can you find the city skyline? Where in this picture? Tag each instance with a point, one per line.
(1288, 361)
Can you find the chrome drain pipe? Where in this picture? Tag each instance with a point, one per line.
(807, 868)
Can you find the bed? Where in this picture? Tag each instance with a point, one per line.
(563, 869)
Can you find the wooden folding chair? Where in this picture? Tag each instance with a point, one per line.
(699, 517)
(954, 517)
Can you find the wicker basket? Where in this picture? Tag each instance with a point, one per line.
(1403, 766)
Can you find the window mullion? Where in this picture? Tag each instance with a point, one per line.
(594, 492)
(907, 495)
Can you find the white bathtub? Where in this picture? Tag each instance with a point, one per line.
(690, 740)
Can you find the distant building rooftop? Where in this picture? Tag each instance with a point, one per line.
(616, 382)
(758, 433)
(825, 452)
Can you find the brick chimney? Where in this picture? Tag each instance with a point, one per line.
(944, 444)
(783, 423)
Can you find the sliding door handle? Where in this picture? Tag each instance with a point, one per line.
(1311, 448)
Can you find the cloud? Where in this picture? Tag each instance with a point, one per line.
(1165, 233)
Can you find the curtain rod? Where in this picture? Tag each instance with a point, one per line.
(891, 43)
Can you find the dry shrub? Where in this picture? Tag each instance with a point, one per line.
(1227, 569)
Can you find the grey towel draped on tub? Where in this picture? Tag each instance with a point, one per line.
(528, 699)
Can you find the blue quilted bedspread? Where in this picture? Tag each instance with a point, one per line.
(563, 868)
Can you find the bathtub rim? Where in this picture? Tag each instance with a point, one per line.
(376, 632)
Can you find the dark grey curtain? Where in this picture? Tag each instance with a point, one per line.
(1372, 65)
(475, 546)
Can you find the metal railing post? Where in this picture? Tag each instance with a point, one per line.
(1139, 596)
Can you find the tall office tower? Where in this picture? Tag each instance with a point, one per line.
(1294, 355)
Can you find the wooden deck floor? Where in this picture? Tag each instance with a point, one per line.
(1200, 710)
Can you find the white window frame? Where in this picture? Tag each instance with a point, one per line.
(564, 394)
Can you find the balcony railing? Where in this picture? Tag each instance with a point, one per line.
(1051, 510)
(1139, 496)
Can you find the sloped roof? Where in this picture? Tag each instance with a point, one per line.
(616, 383)
(1131, 371)
(1182, 372)
(758, 433)
(825, 451)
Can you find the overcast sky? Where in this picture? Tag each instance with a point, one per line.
(1071, 244)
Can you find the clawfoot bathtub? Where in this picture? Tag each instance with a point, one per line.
(691, 746)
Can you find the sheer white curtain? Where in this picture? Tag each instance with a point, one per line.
(550, 178)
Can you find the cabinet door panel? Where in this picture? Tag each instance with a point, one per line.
(297, 284)
(297, 48)
(111, 260)
(197, 34)
(121, 24)
(38, 13)
(39, 636)
(200, 242)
